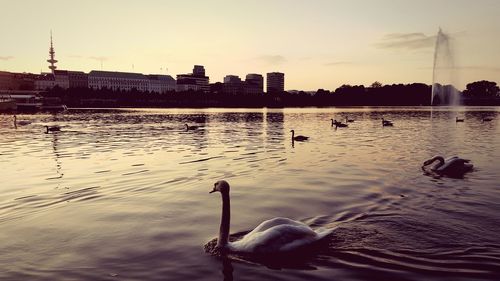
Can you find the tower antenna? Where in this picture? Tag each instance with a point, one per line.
(52, 54)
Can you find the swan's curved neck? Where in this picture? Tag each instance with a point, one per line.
(225, 220)
(440, 159)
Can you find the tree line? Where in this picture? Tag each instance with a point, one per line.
(415, 94)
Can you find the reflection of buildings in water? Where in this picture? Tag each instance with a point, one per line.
(274, 125)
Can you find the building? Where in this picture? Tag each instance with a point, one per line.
(45, 81)
(275, 82)
(254, 83)
(61, 78)
(122, 81)
(196, 81)
(78, 79)
(17, 81)
(58, 78)
(161, 83)
(232, 85)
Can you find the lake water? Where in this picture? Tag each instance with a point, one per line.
(123, 194)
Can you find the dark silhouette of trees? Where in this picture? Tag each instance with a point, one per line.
(482, 89)
(477, 93)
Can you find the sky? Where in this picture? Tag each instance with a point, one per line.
(316, 43)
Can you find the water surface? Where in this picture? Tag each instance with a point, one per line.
(123, 194)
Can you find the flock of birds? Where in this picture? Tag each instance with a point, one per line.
(282, 235)
(454, 166)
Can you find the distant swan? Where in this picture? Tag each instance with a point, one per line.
(487, 119)
(386, 123)
(20, 122)
(52, 129)
(191, 127)
(299, 137)
(453, 166)
(276, 235)
(338, 124)
(458, 119)
(347, 120)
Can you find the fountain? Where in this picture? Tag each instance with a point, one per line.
(444, 73)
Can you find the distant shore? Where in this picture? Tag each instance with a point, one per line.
(416, 94)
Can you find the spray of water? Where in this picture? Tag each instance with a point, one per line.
(444, 73)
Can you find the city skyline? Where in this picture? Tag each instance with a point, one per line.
(323, 44)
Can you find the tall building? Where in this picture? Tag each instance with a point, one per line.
(196, 81)
(232, 79)
(52, 54)
(275, 82)
(232, 85)
(254, 83)
(198, 70)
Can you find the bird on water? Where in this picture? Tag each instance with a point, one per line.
(274, 236)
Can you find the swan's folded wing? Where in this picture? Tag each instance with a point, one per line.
(280, 238)
(275, 222)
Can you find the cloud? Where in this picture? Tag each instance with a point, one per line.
(101, 58)
(409, 41)
(335, 63)
(467, 67)
(478, 67)
(5, 58)
(272, 59)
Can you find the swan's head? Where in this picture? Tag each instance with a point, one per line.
(437, 157)
(221, 186)
(292, 131)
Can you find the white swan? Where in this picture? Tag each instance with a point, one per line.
(276, 235)
(386, 123)
(453, 166)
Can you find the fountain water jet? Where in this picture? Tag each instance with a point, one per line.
(444, 73)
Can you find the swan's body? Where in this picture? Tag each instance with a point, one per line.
(20, 122)
(453, 166)
(386, 123)
(276, 235)
(299, 137)
(458, 119)
(191, 127)
(338, 124)
(52, 129)
(347, 120)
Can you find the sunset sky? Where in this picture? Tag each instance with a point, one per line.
(317, 43)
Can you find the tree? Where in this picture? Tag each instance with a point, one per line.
(376, 84)
(486, 89)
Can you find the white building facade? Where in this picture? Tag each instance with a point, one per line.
(123, 81)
